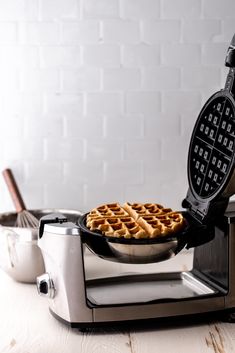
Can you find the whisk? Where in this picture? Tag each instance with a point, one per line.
(25, 219)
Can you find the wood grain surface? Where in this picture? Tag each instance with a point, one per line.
(27, 326)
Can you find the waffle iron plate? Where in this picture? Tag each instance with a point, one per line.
(211, 153)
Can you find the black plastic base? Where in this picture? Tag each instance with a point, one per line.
(228, 316)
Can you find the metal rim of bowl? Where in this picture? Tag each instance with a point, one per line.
(10, 217)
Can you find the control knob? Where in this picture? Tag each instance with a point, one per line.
(45, 286)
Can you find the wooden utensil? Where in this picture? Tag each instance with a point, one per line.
(25, 219)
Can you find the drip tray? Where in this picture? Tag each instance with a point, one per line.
(144, 288)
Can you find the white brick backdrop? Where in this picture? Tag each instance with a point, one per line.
(98, 97)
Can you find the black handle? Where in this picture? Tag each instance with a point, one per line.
(230, 62)
(230, 57)
(51, 218)
(195, 234)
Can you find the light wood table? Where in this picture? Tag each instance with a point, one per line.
(27, 326)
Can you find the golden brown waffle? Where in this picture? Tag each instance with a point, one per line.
(162, 225)
(118, 227)
(109, 210)
(137, 210)
(135, 220)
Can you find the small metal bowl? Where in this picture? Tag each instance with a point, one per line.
(20, 256)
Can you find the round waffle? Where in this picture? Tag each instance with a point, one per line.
(135, 220)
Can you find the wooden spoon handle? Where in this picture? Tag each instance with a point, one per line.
(14, 191)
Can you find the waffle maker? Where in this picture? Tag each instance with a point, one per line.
(208, 287)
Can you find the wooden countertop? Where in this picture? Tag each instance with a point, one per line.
(27, 326)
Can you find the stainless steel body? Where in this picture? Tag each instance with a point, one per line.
(20, 256)
(209, 286)
(82, 302)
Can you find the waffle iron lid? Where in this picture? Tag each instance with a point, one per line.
(212, 150)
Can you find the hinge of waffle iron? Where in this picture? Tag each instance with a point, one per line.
(193, 210)
(204, 212)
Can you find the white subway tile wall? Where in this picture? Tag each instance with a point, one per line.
(98, 98)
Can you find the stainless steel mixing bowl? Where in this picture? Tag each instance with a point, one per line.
(20, 256)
